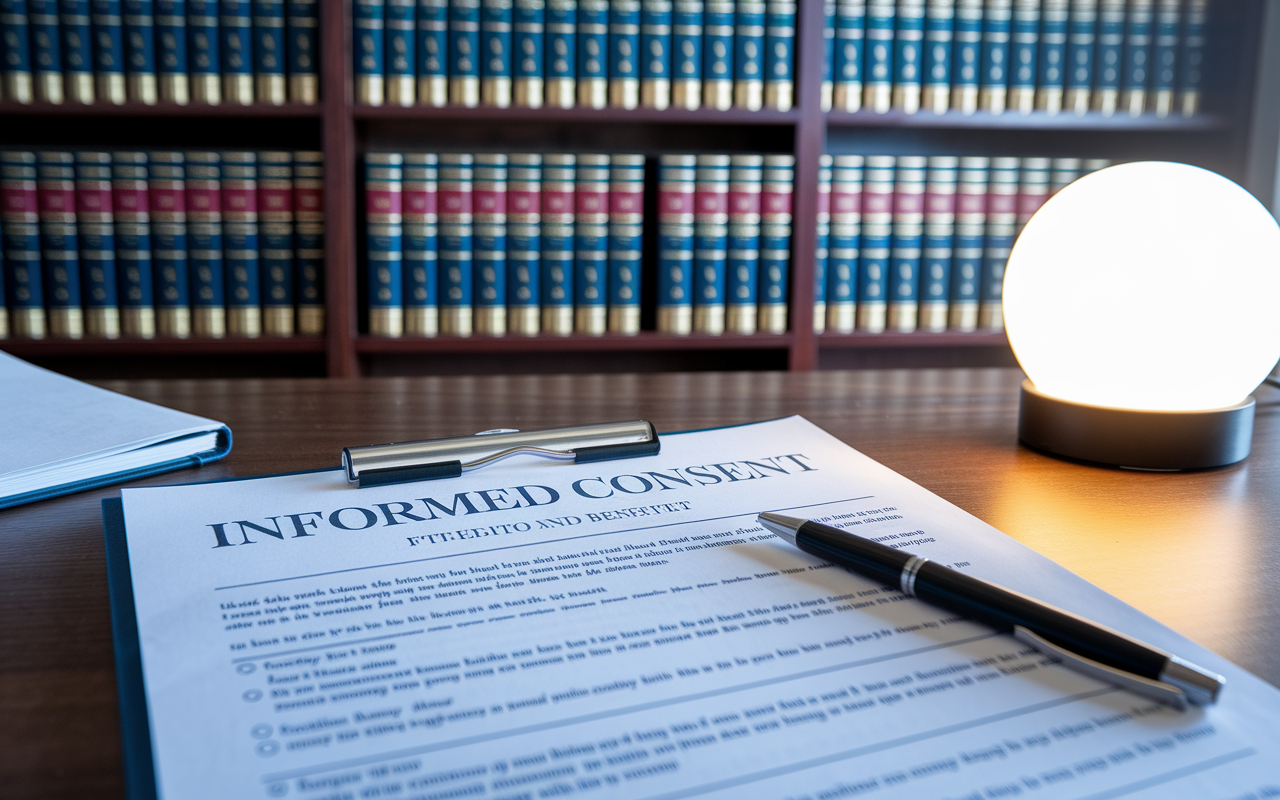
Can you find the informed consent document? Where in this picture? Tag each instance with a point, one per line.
(625, 629)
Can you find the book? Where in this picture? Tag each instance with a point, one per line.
(46, 51)
(74, 17)
(1164, 56)
(64, 436)
(1055, 16)
(966, 262)
(420, 262)
(742, 251)
(686, 54)
(454, 205)
(308, 204)
(57, 251)
(593, 50)
(528, 32)
(939, 230)
(524, 243)
(131, 207)
(557, 213)
(939, 29)
(844, 250)
(15, 45)
(748, 54)
(173, 79)
(108, 51)
(903, 284)
(878, 70)
(1035, 183)
(717, 54)
(1136, 74)
(383, 242)
(1081, 36)
(874, 250)
(464, 53)
(432, 50)
(1190, 60)
(166, 198)
(591, 244)
(1023, 51)
(1062, 172)
(21, 271)
(204, 244)
(966, 56)
(400, 53)
(275, 239)
(241, 242)
(997, 24)
(204, 60)
(710, 244)
(827, 92)
(495, 53)
(561, 53)
(775, 242)
(1107, 56)
(908, 54)
(235, 34)
(821, 254)
(1001, 227)
(138, 17)
(850, 39)
(369, 24)
(489, 244)
(654, 54)
(677, 182)
(624, 54)
(626, 236)
(779, 58)
(95, 226)
(302, 24)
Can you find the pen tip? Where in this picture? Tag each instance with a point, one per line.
(780, 525)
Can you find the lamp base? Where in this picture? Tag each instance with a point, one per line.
(1121, 437)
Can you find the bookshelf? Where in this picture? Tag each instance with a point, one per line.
(1219, 139)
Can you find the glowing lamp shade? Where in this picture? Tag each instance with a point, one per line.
(1148, 287)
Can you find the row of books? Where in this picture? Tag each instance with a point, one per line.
(168, 51)
(913, 243)
(587, 53)
(529, 244)
(169, 243)
(1020, 55)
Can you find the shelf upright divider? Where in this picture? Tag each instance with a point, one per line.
(810, 139)
(339, 141)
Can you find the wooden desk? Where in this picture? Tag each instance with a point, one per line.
(1198, 551)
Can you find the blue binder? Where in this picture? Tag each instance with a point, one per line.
(171, 52)
(204, 57)
(1136, 73)
(167, 187)
(592, 48)
(966, 58)
(241, 243)
(46, 50)
(464, 53)
(997, 24)
(1055, 17)
(677, 175)
(624, 53)
(717, 54)
(654, 54)
(1108, 56)
(269, 52)
(558, 177)
(908, 54)
(939, 27)
(383, 243)
(275, 238)
(77, 50)
(748, 54)
(96, 229)
(528, 35)
(302, 23)
(561, 64)
(495, 44)
(58, 248)
(236, 37)
(489, 245)
(133, 244)
(369, 46)
(1023, 52)
(108, 51)
(140, 50)
(878, 73)
(204, 243)
(686, 54)
(20, 273)
(432, 50)
(15, 45)
(400, 53)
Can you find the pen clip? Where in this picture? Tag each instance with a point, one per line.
(1156, 690)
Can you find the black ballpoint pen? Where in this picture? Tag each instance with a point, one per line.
(1082, 645)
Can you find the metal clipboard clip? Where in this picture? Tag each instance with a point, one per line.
(433, 459)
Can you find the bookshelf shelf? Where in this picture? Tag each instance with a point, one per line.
(1035, 121)
(670, 116)
(158, 111)
(35, 348)
(645, 340)
(890, 339)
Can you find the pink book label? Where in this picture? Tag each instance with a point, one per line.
(1028, 204)
(95, 201)
(675, 202)
(876, 203)
(846, 202)
(908, 203)
(419, 202)
(629, 202)
(130, 201)
(1002, 203)
(971, 204)
(711, 202)
(381, 202)
(779, 202)
(242, 201)
(168, 200)
(56, 201)
(590, 202)
(744, 203)
(489, 201)
(940, 203)
(307, 199)
(273, 199)
(455, 201)
(557, 202)
(203, 200)
(523, 202)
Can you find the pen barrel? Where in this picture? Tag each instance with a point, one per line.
(1004, 609)
(863, 556)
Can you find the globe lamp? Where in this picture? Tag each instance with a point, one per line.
(1140, 302)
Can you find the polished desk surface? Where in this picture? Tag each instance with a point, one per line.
(1198, 551)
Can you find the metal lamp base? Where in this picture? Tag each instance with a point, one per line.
(1121, 437)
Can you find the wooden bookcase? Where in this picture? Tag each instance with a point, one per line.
(1220, 138)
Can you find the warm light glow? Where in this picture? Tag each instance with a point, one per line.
(1148, 286)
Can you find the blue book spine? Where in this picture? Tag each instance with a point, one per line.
(140, 50)
(1054, 23)
(171, 52)
(997, 24)
(908, 240)
(269, 54)
(528, 54)
(717, 54)
(241, 243)
(15, 45)
(828, 53)
(1164, 56)
(686, 54)
(591, 245)
(131, 208)
(1139, 28)
(654, 54)
(1190, 62)
(626, 235)
(775, 243)
(1023, 52)
(624, 53)
(400, 50)
(822, 252)
(167, 201)
(77, 50)
(432, 50)
(302, 23)
(876, 243)
(59, 246)
(878, 72)
(495, 43)
(966, 262)
(710, 243)
(204, 58)
(557, 214)
(464, 53)
(275, 240)
(20, 272)
(420, 262)
(235, 29)
(677, 176)
(204, 244)
(966, 58)
(748, 54)
(845, 243)
(370, 51)
(939, 30)
(779, 54)
(108, 51)
(593, 44)
(46, 50)
(489, 244)
(742, 245)
(561, 60)
(908, 54)
(939, 230)
(96, 229)
(524, 261)
(850, 40)
(1002, 227)
(384, 248)
(1082, 31)
(1108, 56)
(454, 243)
(308, 210)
